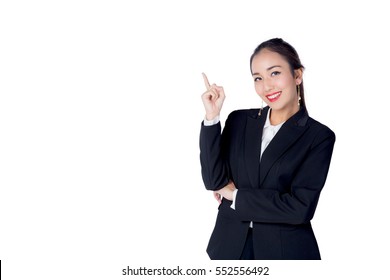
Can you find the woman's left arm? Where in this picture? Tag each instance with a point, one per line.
(298, 205)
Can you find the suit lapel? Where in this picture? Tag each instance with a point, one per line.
(288, 134)
(253, 134)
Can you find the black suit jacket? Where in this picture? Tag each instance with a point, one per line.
(279, 194)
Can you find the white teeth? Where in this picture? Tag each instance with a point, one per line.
(274, 95)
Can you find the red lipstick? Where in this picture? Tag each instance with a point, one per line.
(274, 96)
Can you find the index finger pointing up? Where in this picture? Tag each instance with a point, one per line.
(206, 81)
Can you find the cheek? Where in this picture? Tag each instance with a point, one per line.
(259, 89)
(285, 82)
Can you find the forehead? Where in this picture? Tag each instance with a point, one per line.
(266, 59)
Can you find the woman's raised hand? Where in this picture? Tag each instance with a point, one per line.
(212, 99)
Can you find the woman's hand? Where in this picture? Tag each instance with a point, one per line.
(226, 192)
(218, 197)
(212, 99)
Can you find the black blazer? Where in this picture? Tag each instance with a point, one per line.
(279, 194)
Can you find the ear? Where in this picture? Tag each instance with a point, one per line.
(298, 75)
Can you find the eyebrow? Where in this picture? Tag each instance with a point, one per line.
(269, 68)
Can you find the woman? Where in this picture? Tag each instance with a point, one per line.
(268, 167)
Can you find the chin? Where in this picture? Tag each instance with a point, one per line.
(274, 106)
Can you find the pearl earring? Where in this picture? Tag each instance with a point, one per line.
(261, 108)
(299, 95)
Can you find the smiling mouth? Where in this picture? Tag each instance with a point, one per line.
(274, 96)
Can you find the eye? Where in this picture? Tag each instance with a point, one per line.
(257, 79)
(275, 73)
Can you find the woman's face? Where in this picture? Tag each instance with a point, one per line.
(274, 82)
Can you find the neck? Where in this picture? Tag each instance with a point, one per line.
(280, 116)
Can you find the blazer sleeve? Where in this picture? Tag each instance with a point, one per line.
(213, 155)
(299, 204)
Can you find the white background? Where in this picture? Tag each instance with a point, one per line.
(100, 113)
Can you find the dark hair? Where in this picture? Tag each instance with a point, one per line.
(288, 52)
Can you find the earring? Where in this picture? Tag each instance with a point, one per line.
(299, 95)
(261, 108)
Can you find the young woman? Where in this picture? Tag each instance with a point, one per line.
(268, 166)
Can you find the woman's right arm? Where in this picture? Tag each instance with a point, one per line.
(214, 169)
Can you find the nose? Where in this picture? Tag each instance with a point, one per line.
(268, 86)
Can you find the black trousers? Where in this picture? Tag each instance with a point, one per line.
(248, 252)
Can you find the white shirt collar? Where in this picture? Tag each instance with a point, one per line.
(268, 123)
